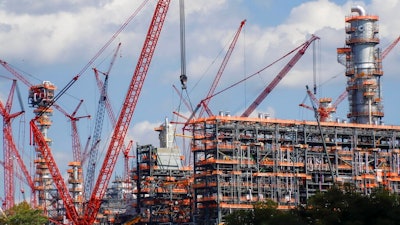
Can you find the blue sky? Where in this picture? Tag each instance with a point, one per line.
(53, 40)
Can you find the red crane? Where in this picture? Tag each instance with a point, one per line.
(324, 108)
(17, 175)
(279, 77)
(58, 180)
(18, 157)
(390, 47)
(120, 129)
(221, 70)
(8, 144)
(15, 73)
(128, 108)
(39, 139)
(76, 143)
(126, 161)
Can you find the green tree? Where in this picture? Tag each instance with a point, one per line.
(23, 214)
(264, 213)
(338, 206)
(240, 217)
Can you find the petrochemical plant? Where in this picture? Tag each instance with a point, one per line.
(234, 161)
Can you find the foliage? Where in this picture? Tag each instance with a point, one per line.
(22, 214)
(351, 208)
(264, 213)
(334, 207)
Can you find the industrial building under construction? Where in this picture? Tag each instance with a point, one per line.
(235, 161)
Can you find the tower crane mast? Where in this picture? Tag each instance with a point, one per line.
(76, 143)
(279, 77)
(126, 161)
(58, 180)
(8, 144)
(120, 129)
(128, 108)
(221, 69)
(22, 165)
(98, 127)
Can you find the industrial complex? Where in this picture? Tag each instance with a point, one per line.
(234, 161)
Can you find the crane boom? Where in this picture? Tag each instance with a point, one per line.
(21, 163)
(98, 127)
(279, 77)
(390, 47)
(15, 73)
(222, 68)
(8, 143)
(76, 142)
(126, 161)
(100, 84)
(58, 180)
(128, 107)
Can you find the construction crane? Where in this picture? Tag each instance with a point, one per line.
(279, 77)
(390, 47)
(314, 107)
(76, 143)
(91, 61)
(98, 127)
(15, 73)
(126, 161)
(36, 92)
(40, 140)
(128, 108)
(119, 133)
(24, 169)
(8, 147)
(221, 70)
(11, 152)
(325, 108)
(17, 175)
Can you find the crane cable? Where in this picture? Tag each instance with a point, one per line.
(76, 77)
(256, 73)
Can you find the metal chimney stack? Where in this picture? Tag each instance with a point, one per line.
(363, 67)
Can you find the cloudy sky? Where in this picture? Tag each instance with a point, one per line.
(54, 39)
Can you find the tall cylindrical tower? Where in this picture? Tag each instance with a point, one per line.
(40, 96)
(363, 67)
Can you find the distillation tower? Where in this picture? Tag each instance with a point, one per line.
(40, 97)
(363, 67)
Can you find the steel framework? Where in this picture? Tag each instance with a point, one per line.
(239, 161)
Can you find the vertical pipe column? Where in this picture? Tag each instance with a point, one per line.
(40, 96)
(363, 68)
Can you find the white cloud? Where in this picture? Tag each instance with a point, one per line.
(143, 133)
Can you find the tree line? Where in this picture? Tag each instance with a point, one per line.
(334, 207)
